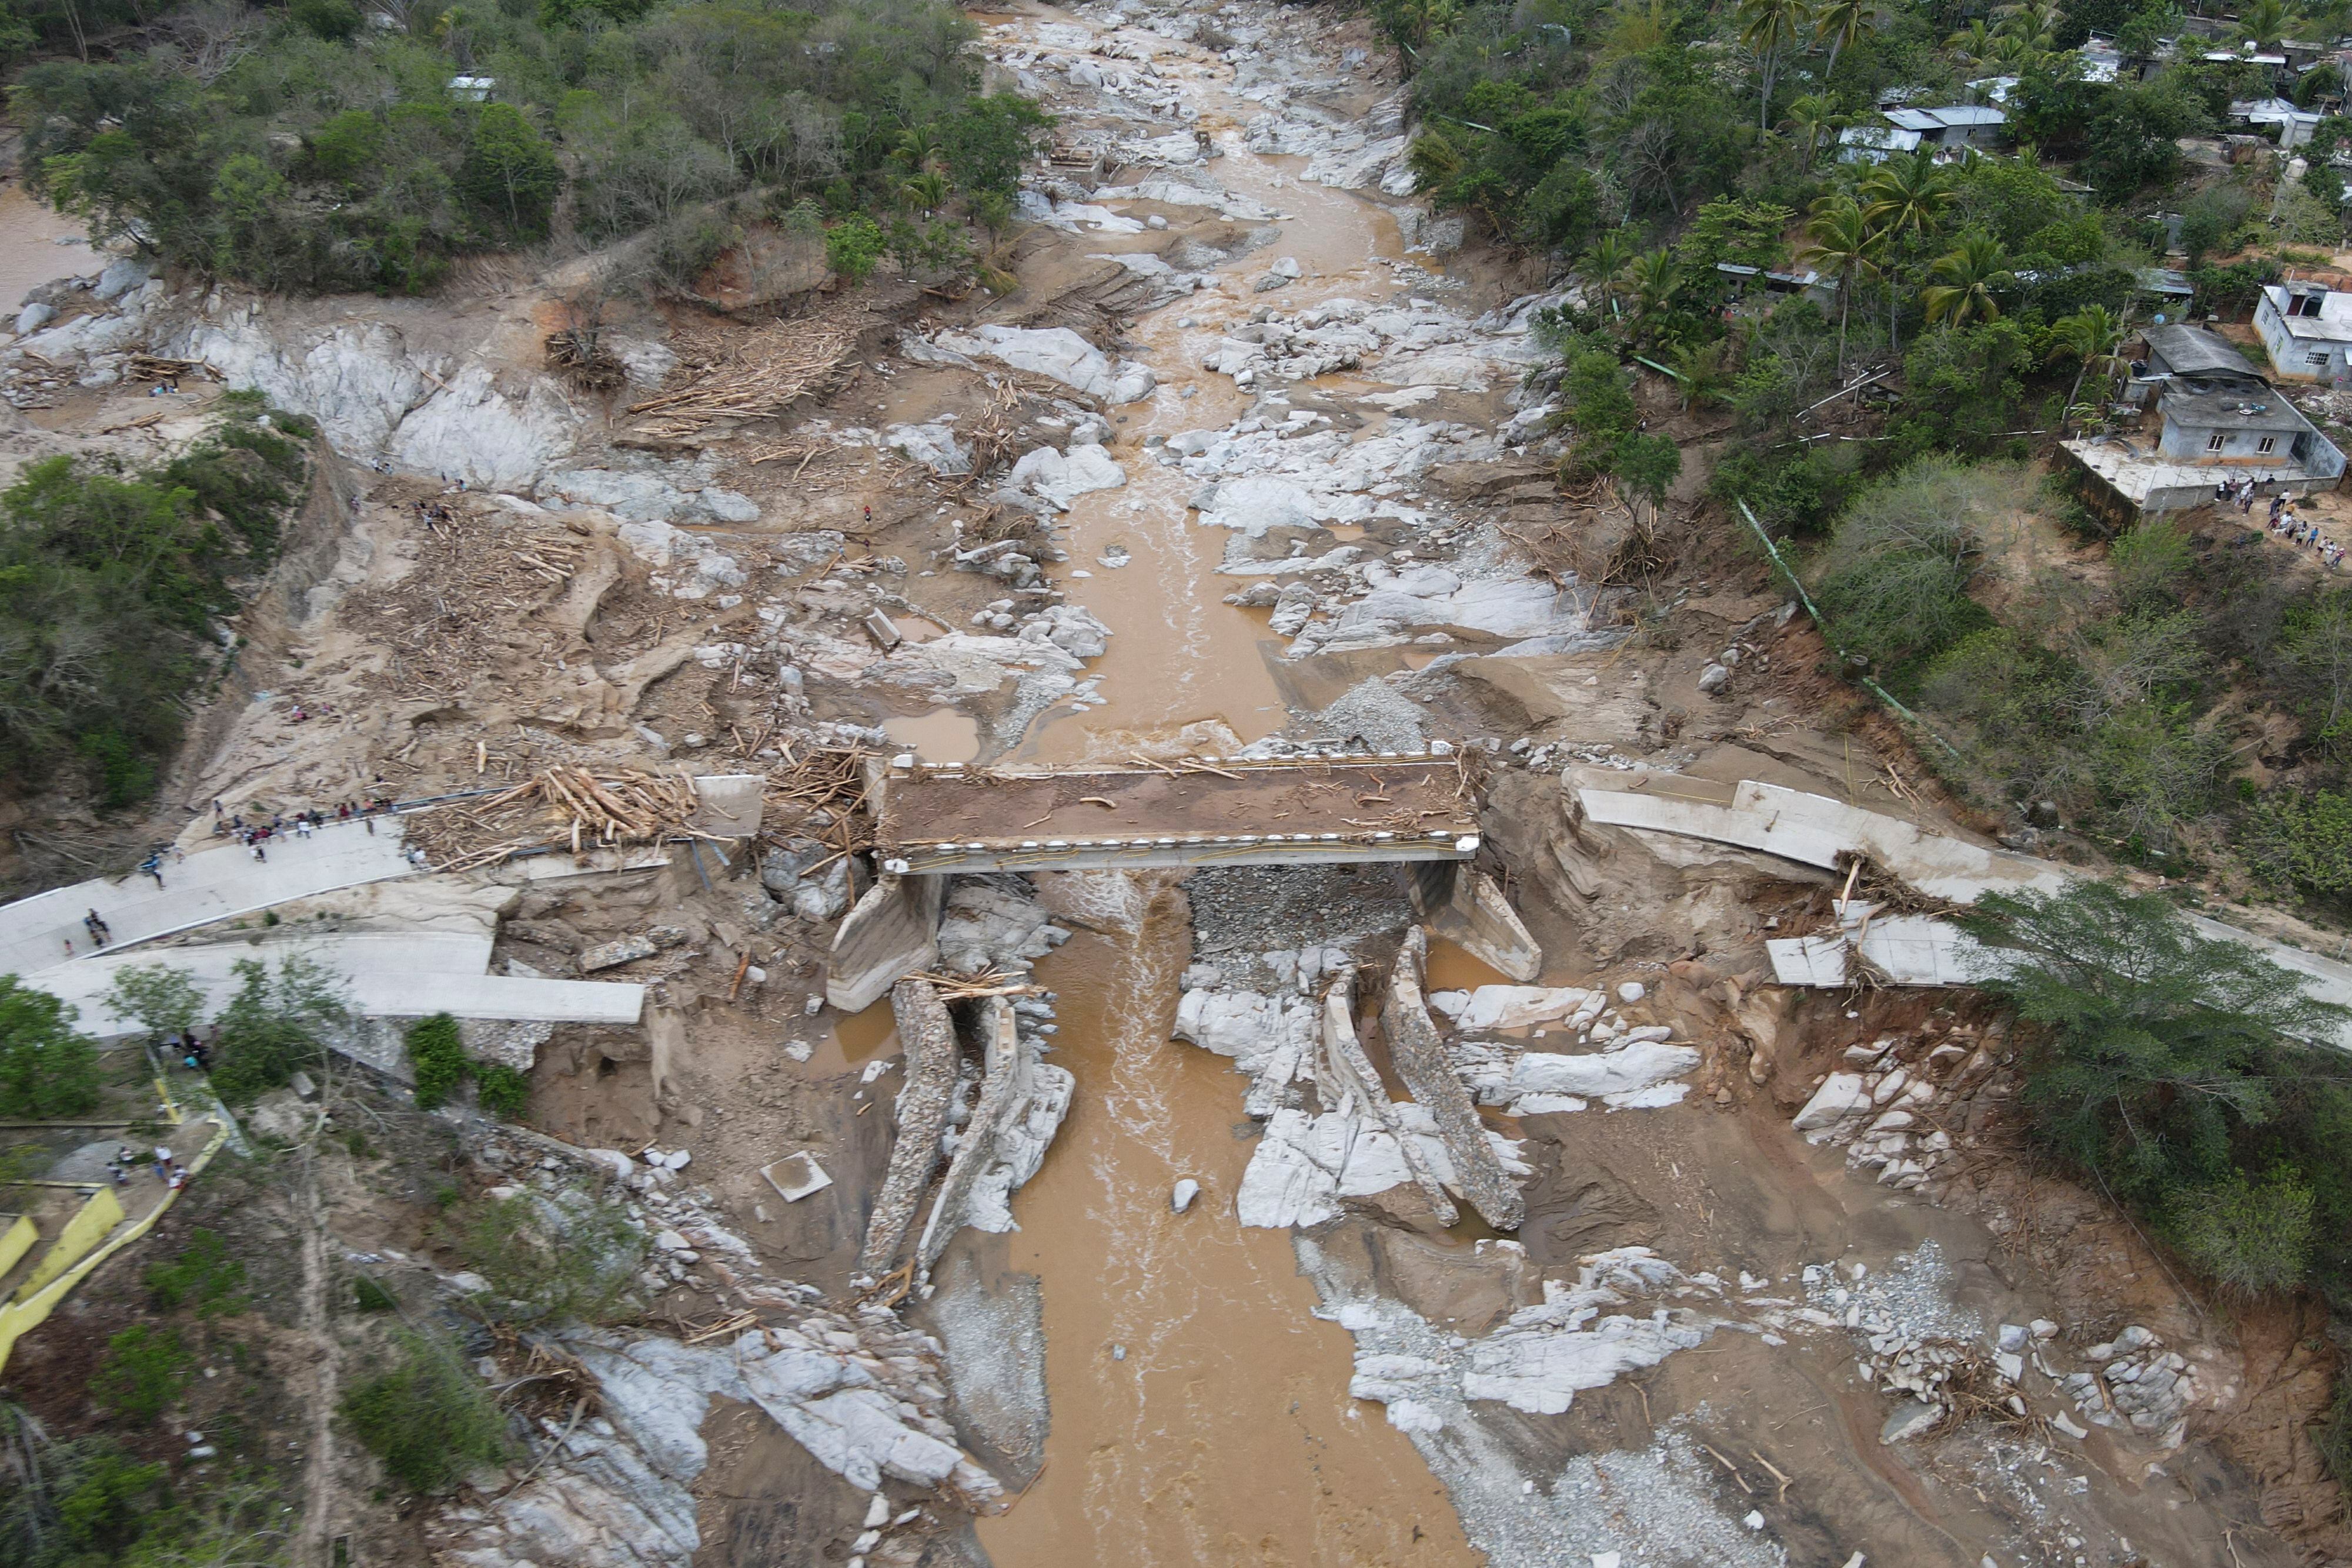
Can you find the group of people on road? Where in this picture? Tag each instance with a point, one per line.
(257, 833)
(168, 1168)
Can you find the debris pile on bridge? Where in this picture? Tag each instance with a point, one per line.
(1190, 810)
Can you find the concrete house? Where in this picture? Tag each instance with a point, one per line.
(2306, 330)
(2212, 417)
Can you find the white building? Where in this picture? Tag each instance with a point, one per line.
(2306, 330)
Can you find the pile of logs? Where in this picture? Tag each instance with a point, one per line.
(758, 378)
(566, 807)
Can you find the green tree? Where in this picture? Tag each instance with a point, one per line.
(1838, 23)
(1840, 241)
(510, 174)
(164, 999)
(853, 245)
(276, 1025)
(47, 1069)
(2152, 1048)
(2090, 337)
(987, 143)
(1770, 29)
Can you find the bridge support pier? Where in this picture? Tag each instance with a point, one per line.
(893, 931)
(1465, 908)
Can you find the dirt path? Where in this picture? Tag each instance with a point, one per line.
(319, 1468)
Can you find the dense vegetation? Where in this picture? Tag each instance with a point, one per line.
(111, 584)
(2181, 1072)
(46, 1067)
(324, 145)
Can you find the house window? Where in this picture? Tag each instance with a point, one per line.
(2266, 446)
(2319, 358)
(2215, 442)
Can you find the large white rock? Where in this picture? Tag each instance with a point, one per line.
(1607, 1074)
(1517, 1006)
(1062, 479)
(1543, 1356)
(1842, 1095)
(933, 445)
(1055, 352)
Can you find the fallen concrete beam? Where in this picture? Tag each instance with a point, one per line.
(893, 931)
(1420, 1060)
(921, 1115)
(1464, 907)
(1004, 1078)
(1347, 1079)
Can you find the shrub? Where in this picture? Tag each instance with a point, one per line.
(2150, 562)
(2299, 840)
(427, 1417)
(46, 1068)
(549, 1257)
(2251, 1239)
(504, 1091)
(852, 246)
(371, 1297)
(439, 1057)
(203, 1276)
(144, 1371)
(1893, 578)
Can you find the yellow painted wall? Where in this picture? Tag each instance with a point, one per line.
(16, 1240)
(33, 1306)
(85, 1230)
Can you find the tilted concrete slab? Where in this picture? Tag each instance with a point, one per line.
(1906, 950)
(210, 884)
(1811, 829)
(893, 931)
(1188, 813)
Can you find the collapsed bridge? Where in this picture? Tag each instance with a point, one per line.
(1416, 810)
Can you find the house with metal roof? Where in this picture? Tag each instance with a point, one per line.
(2213, 418)
(2306, 330)
(1954, 128)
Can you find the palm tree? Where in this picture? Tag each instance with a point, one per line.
(2089, 337)
(1812, 114)
(1840, 241)
(2263, 23)
(918, 148)
(1603, 264)
(2035, 21)
(1961, 281)
(1768, 26)
(1658, 278)
(927, 191)
(1838, 23)
(1906, 196)
(1973, 43)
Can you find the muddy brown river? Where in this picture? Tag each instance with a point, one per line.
(1200, 1411)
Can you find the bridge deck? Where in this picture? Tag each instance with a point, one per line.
(1192, 812)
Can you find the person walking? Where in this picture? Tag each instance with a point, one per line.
(163, 1162)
